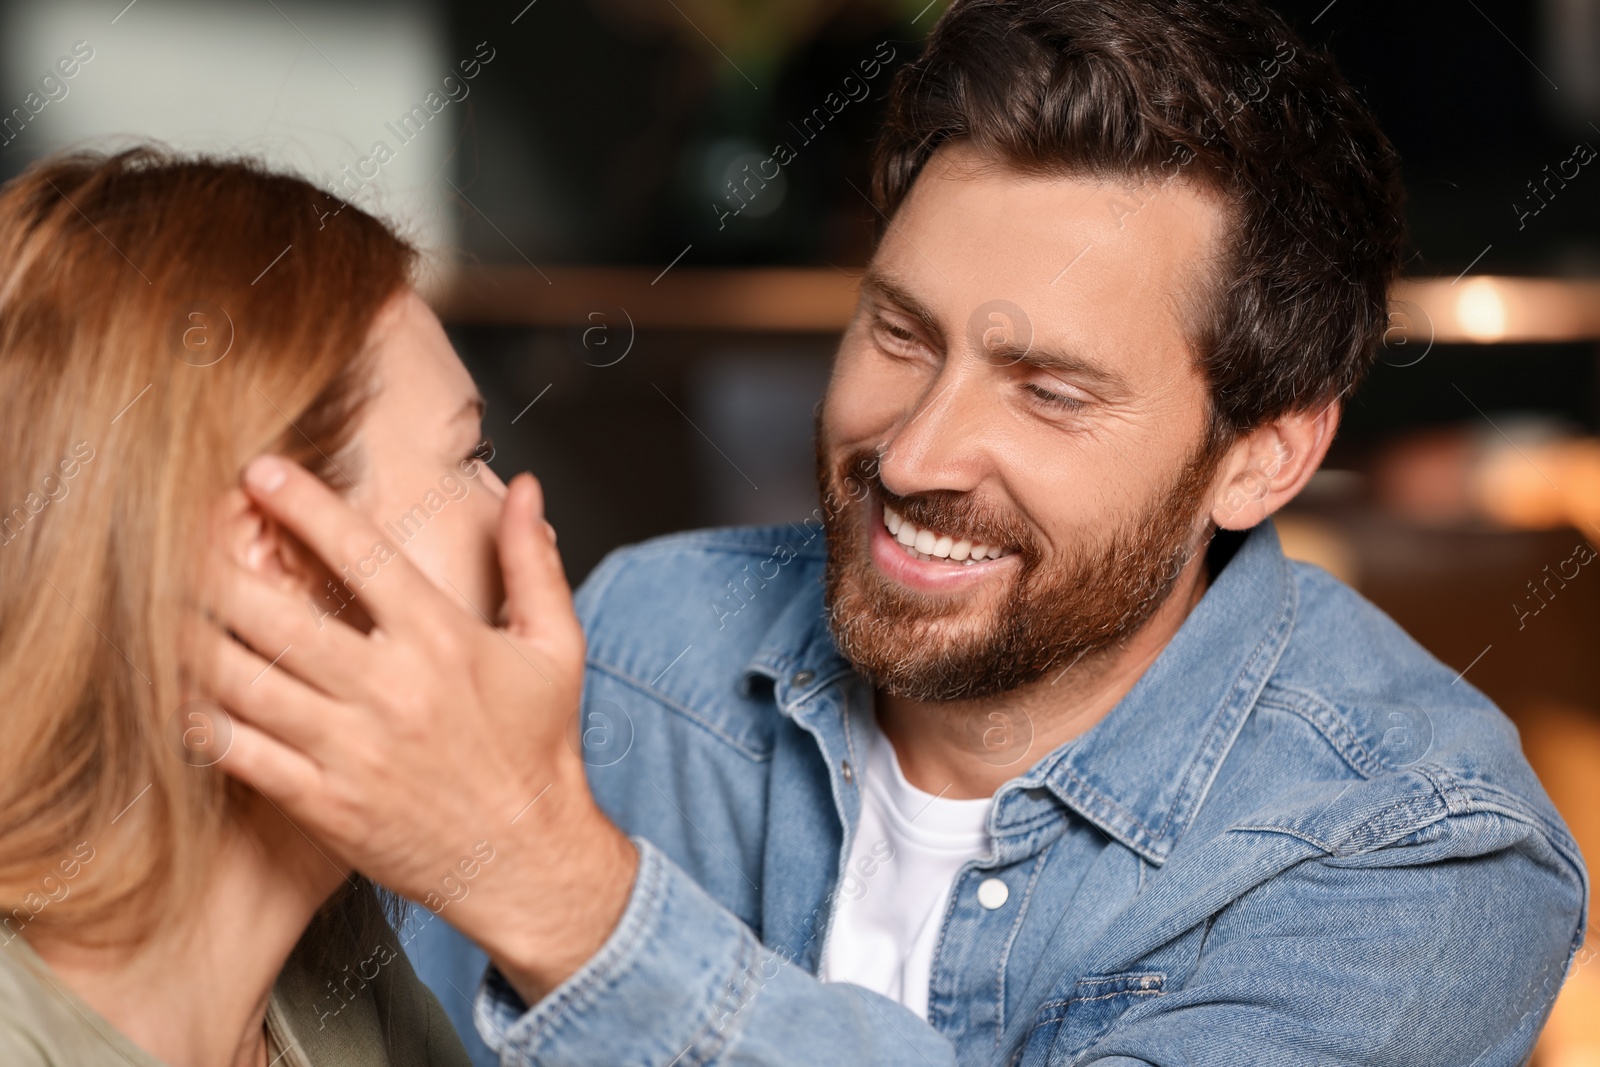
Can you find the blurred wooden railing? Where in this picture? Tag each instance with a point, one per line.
(1475, 309)
(777, 299)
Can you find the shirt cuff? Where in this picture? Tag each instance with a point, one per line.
(661, 990)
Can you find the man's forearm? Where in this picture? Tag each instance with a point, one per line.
(681, 979)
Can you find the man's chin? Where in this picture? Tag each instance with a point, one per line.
(915, 645)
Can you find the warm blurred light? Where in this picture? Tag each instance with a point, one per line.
(1537, 485)
(1323, 543)
(1513, 491)
(1562, 743)
(1578, 474)
(1481, 310)
(1496, 308)
(1424, 476)
(1571, 1037)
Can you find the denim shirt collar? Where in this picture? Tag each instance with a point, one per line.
(1142, 772)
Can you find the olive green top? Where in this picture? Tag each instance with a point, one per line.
(372, 1012)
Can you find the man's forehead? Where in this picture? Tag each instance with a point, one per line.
(1092, 262)
(1011, 214)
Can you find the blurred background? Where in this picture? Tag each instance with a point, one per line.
(653, 330)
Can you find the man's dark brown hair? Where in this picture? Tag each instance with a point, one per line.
(1219, 92)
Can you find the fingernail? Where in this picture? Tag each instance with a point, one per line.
(265, 473)
(551, 530)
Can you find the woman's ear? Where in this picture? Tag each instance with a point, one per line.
(260, 544)
(1267, 467)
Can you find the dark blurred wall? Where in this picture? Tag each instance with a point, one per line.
(608, 136)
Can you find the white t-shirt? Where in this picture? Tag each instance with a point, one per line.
(892, 896)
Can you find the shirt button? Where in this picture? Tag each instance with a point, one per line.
(849, 775)
(993, 893)
(802, 678)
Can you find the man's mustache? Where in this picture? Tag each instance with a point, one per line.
(947, 511)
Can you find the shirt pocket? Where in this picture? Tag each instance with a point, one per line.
(1066, 1026)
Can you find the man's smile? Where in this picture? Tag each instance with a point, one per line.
(928, 560)
(928, 544)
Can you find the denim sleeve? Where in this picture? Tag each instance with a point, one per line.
(1446, 950)
(683, 981)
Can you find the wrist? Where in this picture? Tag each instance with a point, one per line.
(566, 882)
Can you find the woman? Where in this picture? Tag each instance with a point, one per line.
(162, 321)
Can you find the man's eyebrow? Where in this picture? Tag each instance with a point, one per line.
(1063, 363)
(877, 282)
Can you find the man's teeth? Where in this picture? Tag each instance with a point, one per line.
(926, 544)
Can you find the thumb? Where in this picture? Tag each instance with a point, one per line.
(537, 595)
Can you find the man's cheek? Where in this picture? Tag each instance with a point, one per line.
(865, 401)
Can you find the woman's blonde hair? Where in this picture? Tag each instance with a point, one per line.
(163, 319)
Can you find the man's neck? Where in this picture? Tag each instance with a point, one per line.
(194, 994)
(967, 749)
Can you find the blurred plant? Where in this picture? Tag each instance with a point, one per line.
(754, 36)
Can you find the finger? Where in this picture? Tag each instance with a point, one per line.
(301, 635)
(397, 596)
(251, 689)
(274, 770)
(537, 595)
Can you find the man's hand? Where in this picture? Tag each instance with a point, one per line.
(415, 750)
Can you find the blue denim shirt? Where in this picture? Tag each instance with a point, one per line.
(1299, 839)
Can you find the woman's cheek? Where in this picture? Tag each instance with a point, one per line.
(463, 557)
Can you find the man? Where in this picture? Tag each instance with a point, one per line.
(1048, 756)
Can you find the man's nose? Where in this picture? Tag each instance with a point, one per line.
(942, 442)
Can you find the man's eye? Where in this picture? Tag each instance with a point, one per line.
(1054, 400)
(483, 451)
(894, 336)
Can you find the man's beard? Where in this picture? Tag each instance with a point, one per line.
(1055, 612)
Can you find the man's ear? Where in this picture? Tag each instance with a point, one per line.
(1267, 467)
(259, 544)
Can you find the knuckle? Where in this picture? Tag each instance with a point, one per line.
(410, 712)
(450, 645)
(403, 702)
(449, 648)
